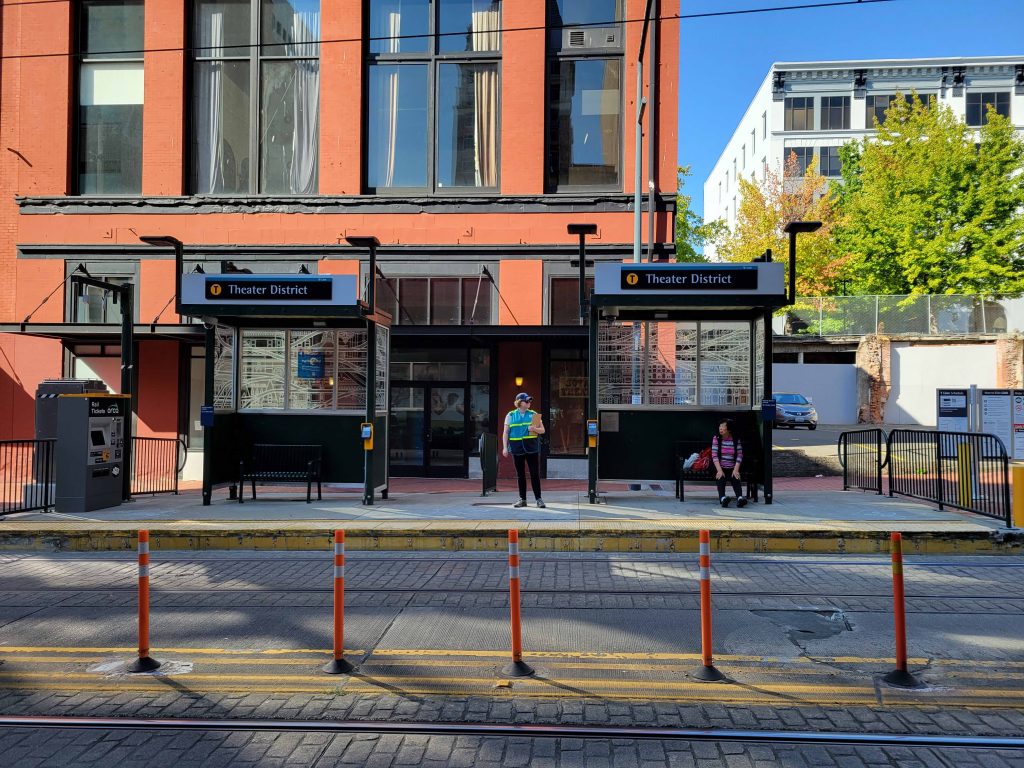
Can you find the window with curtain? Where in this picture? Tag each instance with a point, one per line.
(585, 67)
(433, 94)
(256, 97)
(110, 96)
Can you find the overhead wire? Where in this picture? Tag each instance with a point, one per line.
(502, 30)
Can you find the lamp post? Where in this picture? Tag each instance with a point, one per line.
(582, 230)
(794, 228)
(371, 243)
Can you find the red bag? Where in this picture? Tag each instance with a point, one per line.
(703, 462)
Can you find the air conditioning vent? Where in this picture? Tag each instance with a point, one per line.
(596, 37)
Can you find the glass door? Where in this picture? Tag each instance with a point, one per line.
(428, 430)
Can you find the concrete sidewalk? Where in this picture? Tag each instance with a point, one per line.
(806, 516)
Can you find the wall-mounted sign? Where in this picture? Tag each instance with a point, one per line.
(997, 415)
(765, 279)
(952, 410)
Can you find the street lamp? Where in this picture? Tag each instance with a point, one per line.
(794, 228)
(582, 230)
(371, 243)
(168, 241)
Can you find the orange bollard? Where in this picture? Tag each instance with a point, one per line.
(339, 666)
(145, 662)
(901, 675)
(707, 672)
(518, 668)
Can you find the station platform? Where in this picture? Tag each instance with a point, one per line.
(811, 515)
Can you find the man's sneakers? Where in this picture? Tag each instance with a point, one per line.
(725, 501)
(541, 504)
(519, 504)
(741, 501)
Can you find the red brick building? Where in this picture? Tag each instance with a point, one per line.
(464, 134)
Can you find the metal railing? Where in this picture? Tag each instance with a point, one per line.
(862, 458)
(26, 475)
(962, 470)
(901, 314)
(156, 462)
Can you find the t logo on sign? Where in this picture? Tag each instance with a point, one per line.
(215, 289)
(632, 278)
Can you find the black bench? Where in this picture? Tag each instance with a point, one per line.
(282, 464)
(750, 469)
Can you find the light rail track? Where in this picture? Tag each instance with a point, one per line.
(522, 730)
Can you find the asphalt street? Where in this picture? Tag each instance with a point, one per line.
(614, 638)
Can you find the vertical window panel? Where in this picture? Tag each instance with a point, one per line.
(412, 296)
(311, 370)
(399, 26)
(444, 301)
(476, 301)
(397, 126)
(585, 145)
(262, 370)
(220, 139)
(467, 125)
(289, 137)
(469, 25)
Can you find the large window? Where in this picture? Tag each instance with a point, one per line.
(835, 113)
(584, 146)
(110, 91)
(978, 104)
(564, 299)
(299, 370)
(256, 97)
(433, 94)
(567, 388)
(797, 161)
(831, 164)
(436, 300)
(799, 113)
(88, 304)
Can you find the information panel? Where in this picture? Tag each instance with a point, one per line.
(952, 410)
(997, 415)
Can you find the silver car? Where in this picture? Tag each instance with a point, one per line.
(794, 410)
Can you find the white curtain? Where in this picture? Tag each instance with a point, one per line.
(208, 105)
(486, 37)
(394, 30)
(304, 173)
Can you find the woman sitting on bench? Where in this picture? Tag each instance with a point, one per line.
(727, 453)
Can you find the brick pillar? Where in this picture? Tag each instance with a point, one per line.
(1010, 361)
(163, 114)
(523, 99)
(874, 378)
(341, 98)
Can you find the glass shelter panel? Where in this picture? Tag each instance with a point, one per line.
(261, 379)
(758, 361)
(724, 364)
(224, 370)
(311, 370)
(351, 369)
(680, 364)
(383, 357)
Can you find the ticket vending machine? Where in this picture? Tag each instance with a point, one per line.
(90, 451)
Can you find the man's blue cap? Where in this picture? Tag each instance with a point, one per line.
(523, 396)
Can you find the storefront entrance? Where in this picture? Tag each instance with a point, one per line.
(428, 429)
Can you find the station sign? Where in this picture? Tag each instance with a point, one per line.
(268, 290)
(764, 279)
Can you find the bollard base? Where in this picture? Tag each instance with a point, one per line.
(517, 669)
(902, 679)
(144, 664)
(338, 667)
(709, 674)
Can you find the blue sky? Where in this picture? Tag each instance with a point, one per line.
(724, 59)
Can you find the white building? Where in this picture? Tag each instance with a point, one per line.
(813, 108)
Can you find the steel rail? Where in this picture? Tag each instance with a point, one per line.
(480, 557)
(520, 730)
(495, 590)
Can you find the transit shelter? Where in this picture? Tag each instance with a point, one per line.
(292, 360)
(676, 348)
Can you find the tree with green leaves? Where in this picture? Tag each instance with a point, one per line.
(692, 232)
(931, 206)
(767, 206)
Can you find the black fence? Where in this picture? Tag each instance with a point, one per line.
(156, 462)
(963, 470)
(26, 475)
(862, 455)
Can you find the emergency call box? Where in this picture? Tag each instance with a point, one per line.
(91, 438)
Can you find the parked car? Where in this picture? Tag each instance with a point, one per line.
(794, 410)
